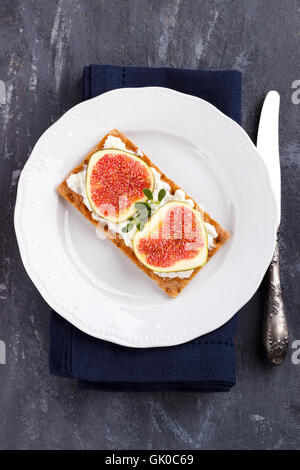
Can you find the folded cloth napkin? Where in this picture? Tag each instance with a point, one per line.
(206, 364)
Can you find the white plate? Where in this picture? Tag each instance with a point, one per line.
(94, 286)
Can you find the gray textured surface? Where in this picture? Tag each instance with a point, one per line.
(44, 46)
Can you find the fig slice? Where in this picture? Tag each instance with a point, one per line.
(115, 180)
(173, 239)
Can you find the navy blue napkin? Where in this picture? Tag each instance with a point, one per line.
(206, 364)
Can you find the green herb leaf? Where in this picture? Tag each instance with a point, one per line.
(140, 226)
(148, 193)
(127, 228)
(144, 216)
(140, 205)
(144, 213)
(161, 195)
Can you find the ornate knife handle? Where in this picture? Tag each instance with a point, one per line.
(275, 333)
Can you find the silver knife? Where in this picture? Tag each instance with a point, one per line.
(275, 331)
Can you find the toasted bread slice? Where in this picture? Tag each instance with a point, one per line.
(172, 286)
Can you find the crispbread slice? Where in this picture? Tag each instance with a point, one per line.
(171, 286)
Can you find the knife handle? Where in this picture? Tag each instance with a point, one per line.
(275, 331)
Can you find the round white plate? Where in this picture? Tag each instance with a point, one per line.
(93, 285)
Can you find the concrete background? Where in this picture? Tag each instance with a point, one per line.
(44, 47)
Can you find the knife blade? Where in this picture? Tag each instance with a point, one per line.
(268, 145)
(275, 330)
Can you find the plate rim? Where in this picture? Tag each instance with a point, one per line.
(69, 316)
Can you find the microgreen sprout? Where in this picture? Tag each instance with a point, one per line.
(148, 193)
(161, 195)
(144, 210)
